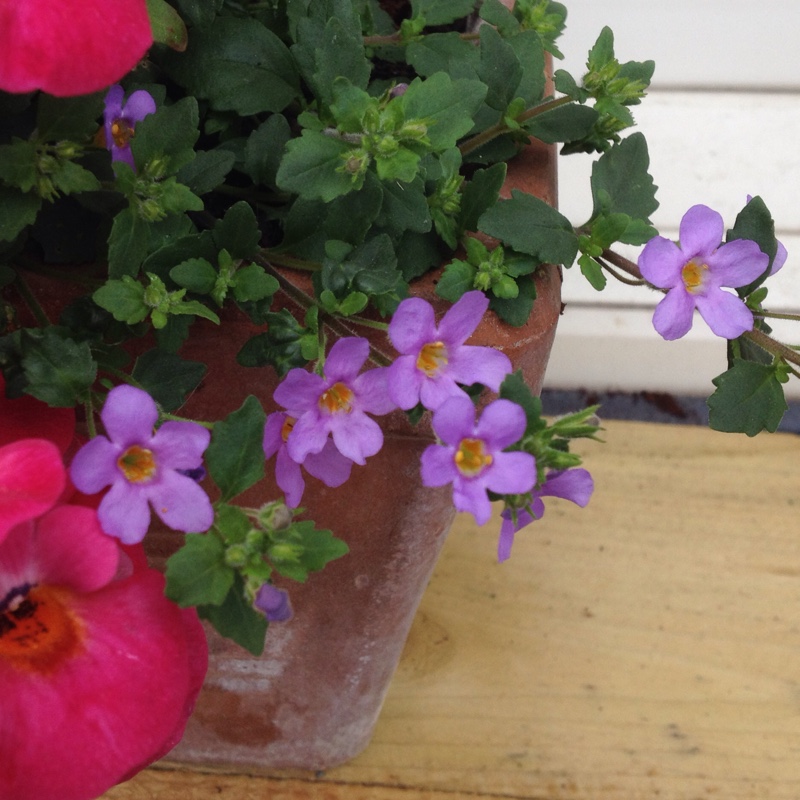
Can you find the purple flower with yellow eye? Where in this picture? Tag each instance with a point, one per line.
(694, 273)
(336, 404)
(576, 485)
(143, 468)
(433, 359)
(471, 455)
(120, 120)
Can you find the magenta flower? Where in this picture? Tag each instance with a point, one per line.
(329, 465)
(471, 456)
(273, 603)
(694, 273)
(336, 404)
(434, 360)
(570, 484)
(100, 671)
(69, 49)
(143, 467)
(120, 120)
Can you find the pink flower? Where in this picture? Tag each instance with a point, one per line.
(99, 670)
(329, 465)
(434, 359)
(120, 120)
(471, 456)
(70, 48)
(143, 468)
(695, 272)
(336, 404)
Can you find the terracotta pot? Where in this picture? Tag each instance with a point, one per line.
(312, 699)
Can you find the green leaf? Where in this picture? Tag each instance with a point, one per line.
(195, 274)
(500, 69)
(253, 283)
(531, 226)
(238, 232)
(563, 124)
(592, 271)
(444, 52)
(197, 573)
(264, 150)
(235, 457)
(529, 49)
(18, 165)
(124, 298)
(17, 211)
(167, 25)
(310, 167)
(168, 378)
(319, 547)
(749, 398)
(441, 12)
(480, 194)
(281, 348)
(207, 171)
(516, 389)
(621, 183)
(72, 118)
(237, 64)
(516, 311)
(70, 178)
(457, 278)
(445, 105)
(168, 135)
(236, 619)
(127, 244)
(59, 370)
(755, 222)
(198, 12)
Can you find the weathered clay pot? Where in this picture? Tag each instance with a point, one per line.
(312, 699)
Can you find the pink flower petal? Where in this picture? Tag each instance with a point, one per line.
(32, 476)
(70, 48)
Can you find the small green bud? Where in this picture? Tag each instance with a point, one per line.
(67, 150)
(237, 556)
(275, 516)
(284, 551)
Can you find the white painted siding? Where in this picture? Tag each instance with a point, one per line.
(722, 121)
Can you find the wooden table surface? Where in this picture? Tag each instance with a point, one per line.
(645, 647)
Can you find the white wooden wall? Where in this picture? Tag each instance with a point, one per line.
(722, 121)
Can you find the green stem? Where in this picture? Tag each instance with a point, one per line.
(486, 136)
(397, 40)
(31, 301)
(621, 278)
(270, 257)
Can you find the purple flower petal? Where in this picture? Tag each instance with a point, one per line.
(454, 420)
(413, 325)
(299, 391)
(701, 231)
(471, 364)
(404, 382)
(575, 485)
(673, 315)
(94, 466)
(180, 503)
(661, 262)
(273, 603)
(511, 473)
(372, 390)
(309, 435)
(124, 513)
(461, 319)
(139, 105)
(273, 433)
(180, 445)
(329, 465)
(725, 313)
(470, 496)
(345, 359)
(436, 465)
(502, 423)
(289, 478)
(129, 415)
(435, 391)
(738, 263)
(779, 260)
(356, 436)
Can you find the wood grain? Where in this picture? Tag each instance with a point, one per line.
(645, 647)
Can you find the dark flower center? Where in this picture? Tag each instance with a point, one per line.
(121, 132)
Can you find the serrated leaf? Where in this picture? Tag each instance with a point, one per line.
(479, 194)
(168, 134)
(264, 149)
(17, 211)
(195, 274)
(457, 278)
(563, 124)
(499, 69)
(310, 167)
(72, 118)
(516, 311)
(197, 573)
(18, 165)
(531, 226)
(168, 378)
(253, 283)
(124, 299)
(235, 457)
(127, 244)
(749, 399)
(70, 178)
(238, 232)
(207, 170)
(59, 371)
(237, 620)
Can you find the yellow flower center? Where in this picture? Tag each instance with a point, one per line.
(432, 358)
(470, 458)
(337, 399)
(693, 275)
(137, 464)
(287, 427)
(38, 631)
(121, 132)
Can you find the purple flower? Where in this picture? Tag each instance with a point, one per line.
(434, 360)
(336, 404)
(143, 468)
(570, 484)
(329, 465)
(694, 273)
(471, 457)
(273, 603)
(120, 120)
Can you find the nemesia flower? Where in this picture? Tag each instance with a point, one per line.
(273, 603)
(336, 404)
(99, 670)
(434, 360)
(471, 456)
(120, 120)
(694, 273)
(143, 467)
(70, 48)
(329, 465)
(570, 484)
